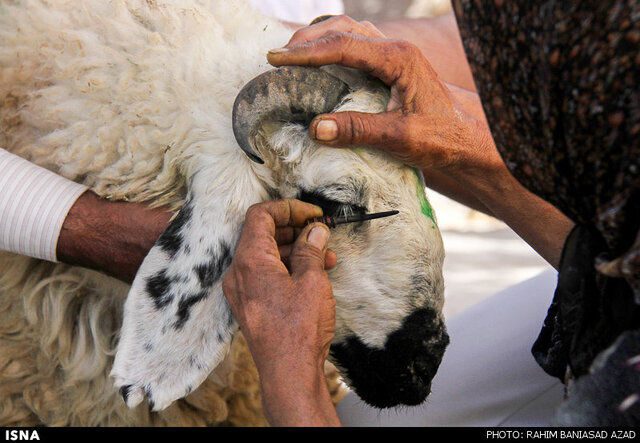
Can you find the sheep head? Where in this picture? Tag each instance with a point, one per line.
(390, 337)
(388, 286)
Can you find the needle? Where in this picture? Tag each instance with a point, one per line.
(332, 222)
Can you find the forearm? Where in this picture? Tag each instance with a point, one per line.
(112, 237)
(46, 216)
(538, 222)
(483, 182)
(306, 404)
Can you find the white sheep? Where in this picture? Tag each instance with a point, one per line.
(134, 99)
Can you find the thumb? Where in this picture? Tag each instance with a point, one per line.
(358, 128)
(309, 249)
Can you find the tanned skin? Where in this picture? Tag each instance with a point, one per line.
(286, 314)
(112, 237)
(434, 122)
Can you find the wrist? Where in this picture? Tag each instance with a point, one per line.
(309, 404)
(90, 236)
(291, 366)
(309, 381)
(477, 163)
(112, 237)
(76, 230)
(492, 184)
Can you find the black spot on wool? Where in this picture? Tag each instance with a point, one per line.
(401, 372)
(158, 287)
(124, 392)
(184, 307)
(229, 321)
(208, 274)
(148, 393)
(171, 239)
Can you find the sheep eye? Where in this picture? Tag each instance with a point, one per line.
(330, 207)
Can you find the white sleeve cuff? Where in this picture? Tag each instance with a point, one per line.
(34, 203)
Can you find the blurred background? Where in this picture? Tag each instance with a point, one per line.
(380, 10)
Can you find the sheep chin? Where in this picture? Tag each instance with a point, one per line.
(401, 372)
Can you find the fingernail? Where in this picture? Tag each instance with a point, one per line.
(278, 50)
(318, 236)
(326, 130)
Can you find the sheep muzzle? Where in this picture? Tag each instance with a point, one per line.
(401, 372)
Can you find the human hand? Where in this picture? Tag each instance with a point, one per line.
(111, 237)
(287, 315)
(428, 124)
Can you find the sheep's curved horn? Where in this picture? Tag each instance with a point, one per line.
(288, 94)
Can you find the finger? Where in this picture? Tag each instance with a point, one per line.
(321, 18)
(285, 235)
(330, 257)
(385, 130)
(263, 218)
(339, 23)
(374, 31)
(308, 253)
(285, 251)
(383, 58)
(258, 240)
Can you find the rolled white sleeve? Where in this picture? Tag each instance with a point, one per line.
(33, 205)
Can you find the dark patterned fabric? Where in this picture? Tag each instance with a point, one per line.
(588, 313)
(559, 84)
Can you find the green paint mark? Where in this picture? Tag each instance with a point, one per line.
(425, 206)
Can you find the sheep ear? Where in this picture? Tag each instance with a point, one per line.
(177, 326)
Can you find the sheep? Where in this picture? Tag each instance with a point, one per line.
(135, 99)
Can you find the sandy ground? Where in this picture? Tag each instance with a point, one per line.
(479, 265)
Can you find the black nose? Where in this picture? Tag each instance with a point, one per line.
(401, 372)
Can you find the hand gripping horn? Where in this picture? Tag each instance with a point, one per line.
(286, 94)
